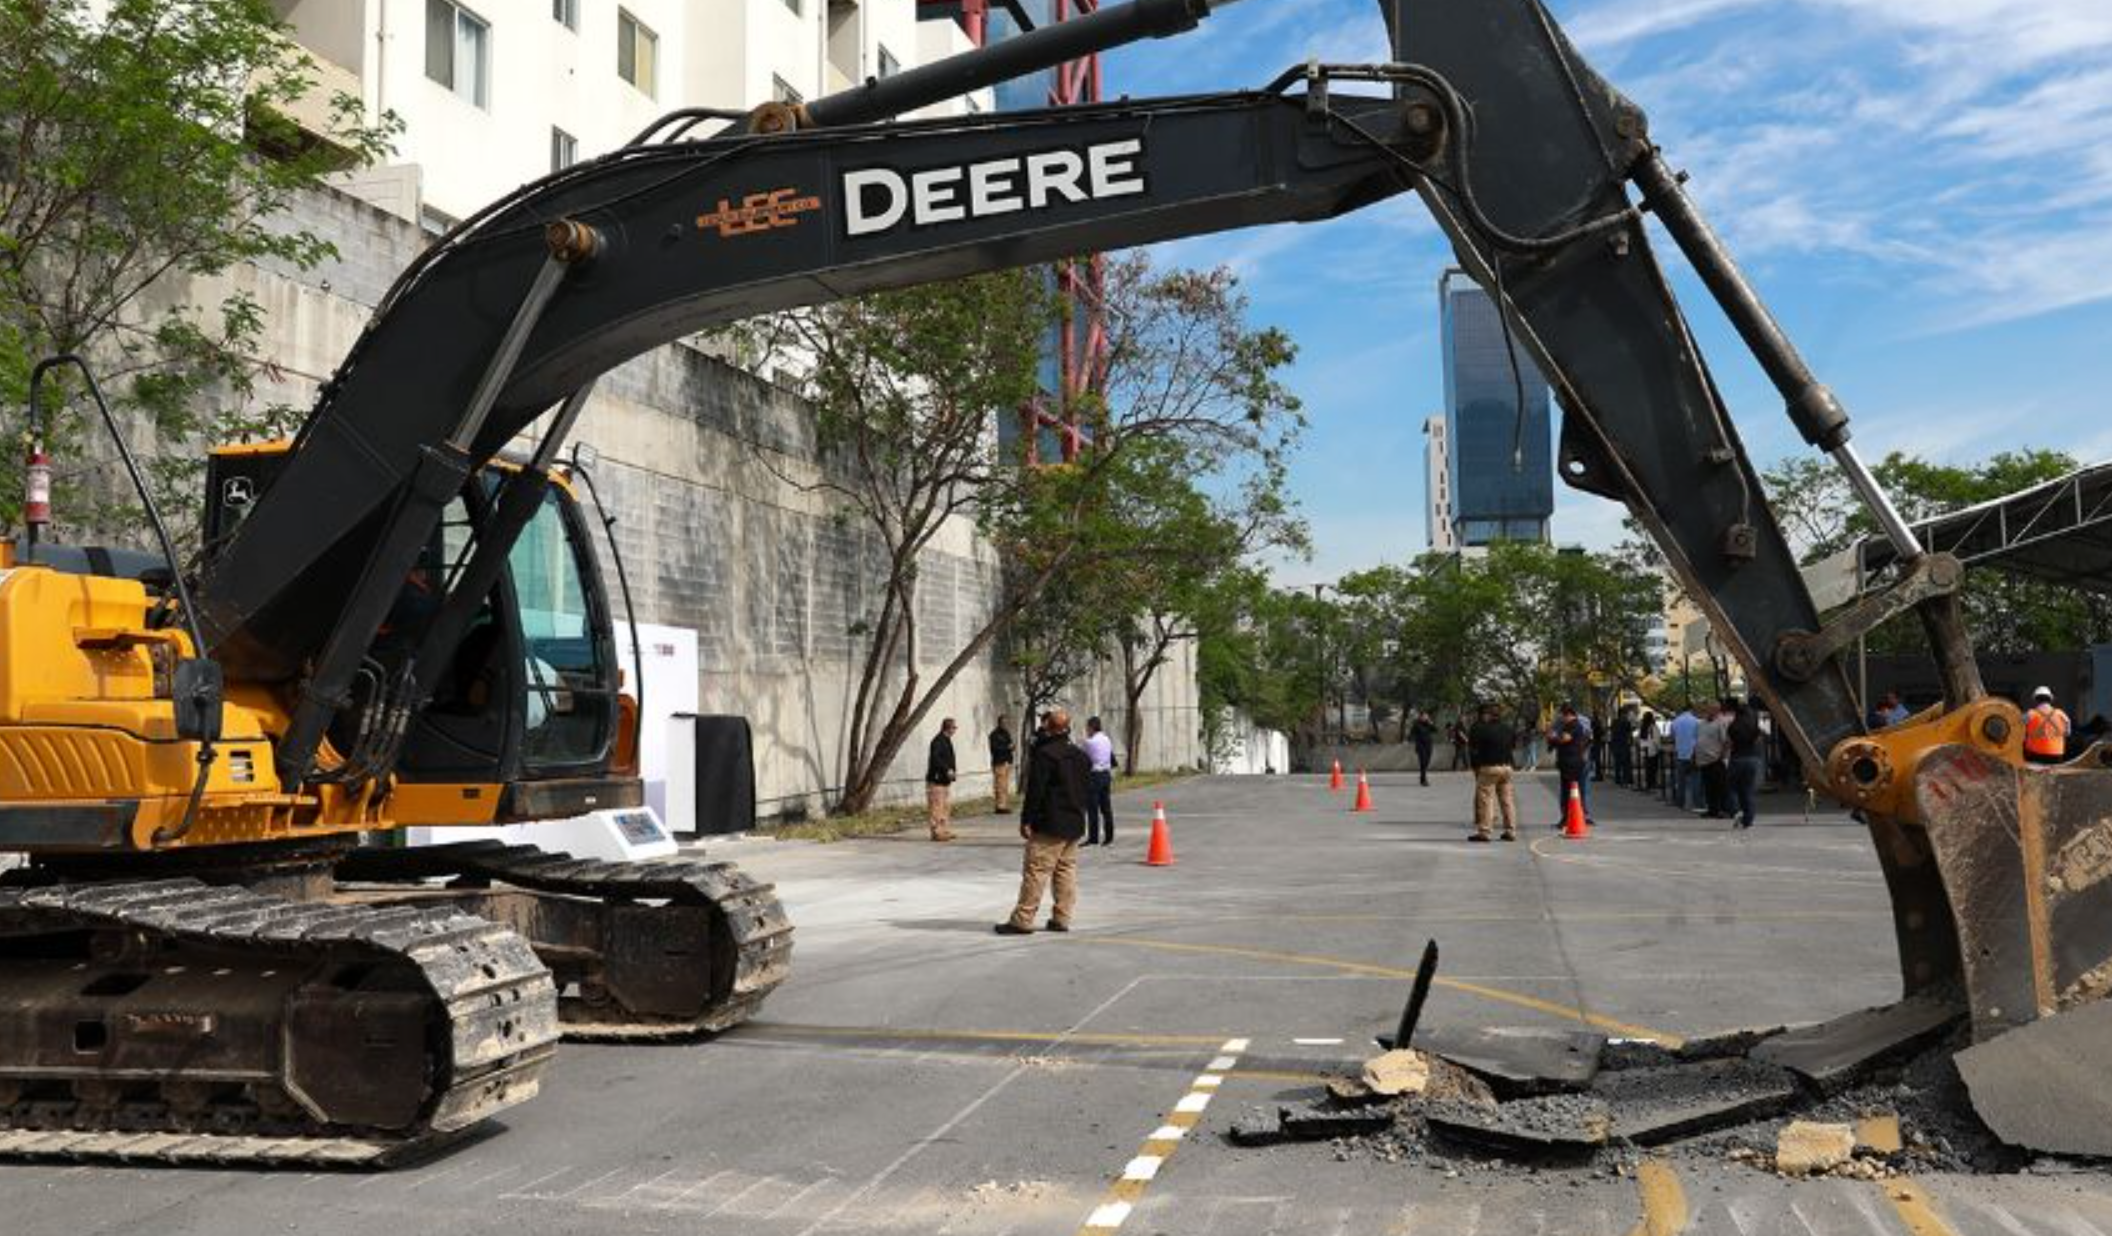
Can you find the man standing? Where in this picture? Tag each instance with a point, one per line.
(1099, 803)
(1571, 743)
(2045, 729)
(1624, 746)
(1001, 767)
(938, 782)
(1889, 711)
(1051, 819)
(1424, 734)
(1686, 730)
(1646, 751)
(1457, 736)
(1489, 751)
(1745, 762)
(1709, 743)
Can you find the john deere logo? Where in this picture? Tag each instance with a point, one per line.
(758, 212)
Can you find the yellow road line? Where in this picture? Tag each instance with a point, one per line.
(978, 1036)
(1136, 1176)
(1497, 994)
(1664, 1201)
(1916, 1208)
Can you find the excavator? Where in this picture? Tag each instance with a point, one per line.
(402, 623)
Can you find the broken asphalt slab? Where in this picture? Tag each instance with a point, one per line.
(1520, 1063)
(1834, 1054)
(2043, 1086)
(1653, 1106)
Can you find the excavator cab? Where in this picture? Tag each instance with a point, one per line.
(531, 700)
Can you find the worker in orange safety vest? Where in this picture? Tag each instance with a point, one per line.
(2045, 730)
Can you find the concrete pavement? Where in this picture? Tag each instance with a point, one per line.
(918, 1074)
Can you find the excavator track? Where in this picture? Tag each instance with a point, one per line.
(657, 950)
(175, 1021)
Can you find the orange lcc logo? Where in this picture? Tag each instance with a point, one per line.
(758, 212)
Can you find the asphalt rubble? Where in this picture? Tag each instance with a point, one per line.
(1512, 1101)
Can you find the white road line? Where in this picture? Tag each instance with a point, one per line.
(1143, 1167)
(1167, 1133)
(936, 1135)
(1109, 1215)
(1194, 1101)
(1233, 1047)
(1222, 1063)
(1209, 1081)
(1318, 1042)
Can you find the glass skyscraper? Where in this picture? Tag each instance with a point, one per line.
(1502, 461)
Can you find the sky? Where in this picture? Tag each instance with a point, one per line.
(1922, 190)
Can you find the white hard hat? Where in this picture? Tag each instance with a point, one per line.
(2043, 693)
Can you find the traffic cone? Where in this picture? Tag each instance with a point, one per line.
(1363, 793)
(1573, 825)
(1334, 779)
(1160, 852)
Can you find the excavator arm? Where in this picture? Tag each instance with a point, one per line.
(1541, 173)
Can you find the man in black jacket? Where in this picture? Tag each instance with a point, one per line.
(1489, 746)
(938, 782)
(1001, 767)
(1051, 820)
(1424, 734)
(1571, 743)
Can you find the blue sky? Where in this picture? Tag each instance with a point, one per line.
(1921, 188)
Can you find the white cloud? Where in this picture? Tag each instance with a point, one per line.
(1610, 26)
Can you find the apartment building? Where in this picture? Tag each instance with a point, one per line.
(494, 93)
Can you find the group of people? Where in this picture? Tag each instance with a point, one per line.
(1066, 801)
(1715, 760)
(942, 769)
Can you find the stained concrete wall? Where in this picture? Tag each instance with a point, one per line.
(706, 470)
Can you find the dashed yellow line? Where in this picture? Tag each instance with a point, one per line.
(1664, 1200)
(1916, 1208)
(1143, 1168)
(1497, 994)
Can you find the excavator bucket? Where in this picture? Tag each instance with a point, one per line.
(2026, 856)
(1999, 874)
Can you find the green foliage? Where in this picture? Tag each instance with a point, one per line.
(1182, 477)
(2004, 614)
(147, 143)
(1522, 625)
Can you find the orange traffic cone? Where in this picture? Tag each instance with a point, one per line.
(1363, 793)
(1160, 852)
(1573, 825)
(1334, 779)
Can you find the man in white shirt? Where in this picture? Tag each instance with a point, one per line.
(1099, 802)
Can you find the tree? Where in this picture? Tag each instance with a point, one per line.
(905, 386)
(147, 143)
(1056, 641)
(1205, 487)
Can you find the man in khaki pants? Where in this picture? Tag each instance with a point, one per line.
(1489, 746)
(1001, 767)
(938, 782)
(1051, 820)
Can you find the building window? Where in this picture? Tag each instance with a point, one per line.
(637, 53)
(889, 66)
(782, 91)
(564, 150)
(565, 13)
(458, 50)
